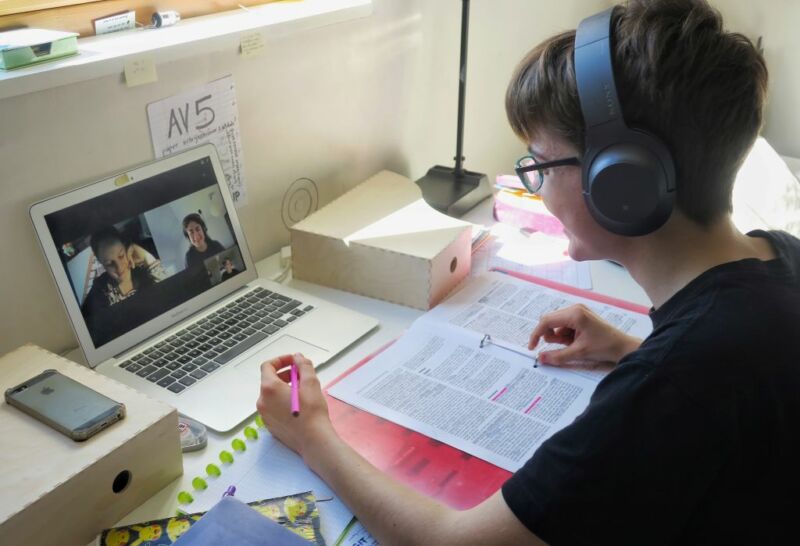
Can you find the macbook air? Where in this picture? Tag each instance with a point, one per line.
(162, 292)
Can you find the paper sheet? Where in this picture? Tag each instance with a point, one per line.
(535, 254)
(491, 402)
(205, 114)
(356, 535)
(269, 469)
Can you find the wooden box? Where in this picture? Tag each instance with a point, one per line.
(57, 491)
(382, 240)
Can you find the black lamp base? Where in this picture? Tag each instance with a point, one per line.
(451, 193)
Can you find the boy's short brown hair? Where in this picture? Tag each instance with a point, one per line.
(679, 75)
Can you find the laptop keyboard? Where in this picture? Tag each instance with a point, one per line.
(191, 354)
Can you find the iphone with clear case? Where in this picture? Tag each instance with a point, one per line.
(66, 405)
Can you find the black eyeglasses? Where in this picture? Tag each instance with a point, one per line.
(531, 172)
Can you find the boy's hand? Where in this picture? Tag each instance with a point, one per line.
(587, 337)
(274, 403)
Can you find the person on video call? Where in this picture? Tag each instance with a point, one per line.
(128, 269)
(228, 270)
(692, 437)
(203, 246)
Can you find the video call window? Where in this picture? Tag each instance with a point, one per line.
(224, 265)
(137, 252)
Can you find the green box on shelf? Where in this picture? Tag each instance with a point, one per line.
(27, 46)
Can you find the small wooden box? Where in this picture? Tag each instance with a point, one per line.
(382, 240)
(57, 491)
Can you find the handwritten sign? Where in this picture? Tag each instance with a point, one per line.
(205, 114)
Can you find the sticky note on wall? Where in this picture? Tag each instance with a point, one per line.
(252, 44)
(140, 70)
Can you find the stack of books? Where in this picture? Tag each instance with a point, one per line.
(516, 207)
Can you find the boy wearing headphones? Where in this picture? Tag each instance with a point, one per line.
(202, 245)
(636, 127)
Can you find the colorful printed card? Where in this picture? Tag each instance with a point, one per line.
(298, 513)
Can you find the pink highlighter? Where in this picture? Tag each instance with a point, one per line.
(295, 391)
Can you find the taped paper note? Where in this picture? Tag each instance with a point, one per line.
(140, 70)
(205, 114)
(252, 44)
(115, 23)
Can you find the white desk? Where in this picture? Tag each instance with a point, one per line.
(394, 319)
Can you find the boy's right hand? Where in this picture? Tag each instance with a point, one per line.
(587, 337)
(296, 432)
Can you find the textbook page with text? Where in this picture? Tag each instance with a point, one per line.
(462, 374)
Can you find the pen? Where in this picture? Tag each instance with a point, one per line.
(295, 392)
(229, 491)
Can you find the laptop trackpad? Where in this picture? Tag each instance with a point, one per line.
(289, 345)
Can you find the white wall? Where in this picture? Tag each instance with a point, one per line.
(335, 104)
(778, 21)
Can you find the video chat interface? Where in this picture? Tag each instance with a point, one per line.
(128, 256)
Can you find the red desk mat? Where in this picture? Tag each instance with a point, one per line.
(431, 467)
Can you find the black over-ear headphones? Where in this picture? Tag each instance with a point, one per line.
(628, 173)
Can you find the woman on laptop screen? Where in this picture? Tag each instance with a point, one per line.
(128, 269)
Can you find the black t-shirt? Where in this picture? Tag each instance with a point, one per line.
(196, 258)
(693, 438)
(226, 275)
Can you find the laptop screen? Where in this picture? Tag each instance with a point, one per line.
(136, 252)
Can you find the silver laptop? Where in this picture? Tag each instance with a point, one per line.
(159, 285)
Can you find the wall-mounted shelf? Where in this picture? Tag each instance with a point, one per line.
(105, 55)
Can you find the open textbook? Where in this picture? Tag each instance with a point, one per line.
(489, 399)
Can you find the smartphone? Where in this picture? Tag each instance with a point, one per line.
(68, 406)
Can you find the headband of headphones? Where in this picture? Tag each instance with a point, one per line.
(595, 76)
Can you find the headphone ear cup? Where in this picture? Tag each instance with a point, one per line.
(628, 188)
(628, 173)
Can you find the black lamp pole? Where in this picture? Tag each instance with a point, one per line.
(454, 191)
(462, 87)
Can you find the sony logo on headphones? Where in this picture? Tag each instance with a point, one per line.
(609, 100)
